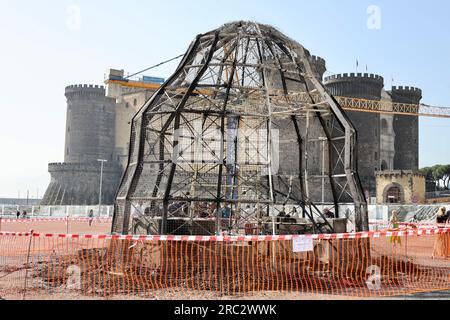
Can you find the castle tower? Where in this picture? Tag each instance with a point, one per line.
(319, 67)
(90, 124)
(406, 129)
(367, 125)
(90, 135)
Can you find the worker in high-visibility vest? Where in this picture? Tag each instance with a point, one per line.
(394, 223)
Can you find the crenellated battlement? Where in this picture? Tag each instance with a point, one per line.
(399, 173)
(82, 167)
(356, 85)
(85, 89)
(85, 86)
(406, 94)
(318, 60)
(318, 65)
(407, 89)
(355, 77)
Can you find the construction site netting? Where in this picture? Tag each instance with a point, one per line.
(332, 266)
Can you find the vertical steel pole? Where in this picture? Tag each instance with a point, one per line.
(27, 265)
(323, 173)
(100, 192)
(306, 156)
(101, 184)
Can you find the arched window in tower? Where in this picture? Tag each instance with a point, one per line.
(384, 166)
(135, 102)
(394, 195)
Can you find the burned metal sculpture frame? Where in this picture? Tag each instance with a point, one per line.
(232, 139)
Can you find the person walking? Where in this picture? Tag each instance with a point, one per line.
(441, 248)
(294, 212)
(91, 217)
(394, 224)
(18, 214)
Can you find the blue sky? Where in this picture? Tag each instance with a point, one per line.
(42, 51)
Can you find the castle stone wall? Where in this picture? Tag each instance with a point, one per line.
(79, 184)
(126, 107)
(406, 130)
(367, 125)
(387, 137)
(90, 130)
(90, 135)
(412, 186)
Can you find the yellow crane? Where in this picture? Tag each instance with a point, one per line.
(351, 104)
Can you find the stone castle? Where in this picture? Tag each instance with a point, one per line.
(98, 126)
(90, 135)
(385, 142)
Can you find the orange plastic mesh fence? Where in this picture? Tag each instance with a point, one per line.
(104, 267)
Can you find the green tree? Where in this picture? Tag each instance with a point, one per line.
(431, 183)
(439, 175)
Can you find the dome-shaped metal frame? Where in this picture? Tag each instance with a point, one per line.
(239, 133)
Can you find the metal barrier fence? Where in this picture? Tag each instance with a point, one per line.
(35, 211)
(58, 225)
(330, 266)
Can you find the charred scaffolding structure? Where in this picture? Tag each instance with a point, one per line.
(240, 134)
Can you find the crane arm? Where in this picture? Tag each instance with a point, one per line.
(347, 103)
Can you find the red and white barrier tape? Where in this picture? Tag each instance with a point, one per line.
(360, 235)
(375, 223)
(105, 220)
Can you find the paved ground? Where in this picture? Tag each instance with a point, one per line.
(74, 227)
(440, 295)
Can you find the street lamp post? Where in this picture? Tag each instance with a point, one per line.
(101, 183)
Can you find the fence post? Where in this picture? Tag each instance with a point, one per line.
(407, 259)
(27, 265)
